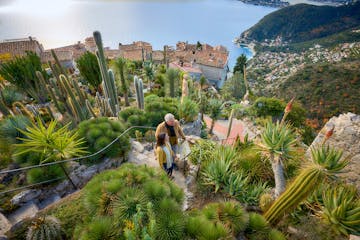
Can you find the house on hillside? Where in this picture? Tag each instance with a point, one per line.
(211, 61)
(194, 72)
(137, 51)
(18, 47)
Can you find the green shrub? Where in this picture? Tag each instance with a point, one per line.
(202, 152)
(9, 127)
(99, 132)
(10, 95)
(218, 221)
(188, 110)
(37, 175)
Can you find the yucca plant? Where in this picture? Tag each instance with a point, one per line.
(341, 209)
(170, 225)
(229, 214)
(53, 144)
(277, 143)
(326, 162)
(125, 204)
(44, 228)
(100, 228)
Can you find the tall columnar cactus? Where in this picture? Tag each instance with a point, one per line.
(139, 92)
(230, 122)
(325, 163)
(185, 87)
(107, 76)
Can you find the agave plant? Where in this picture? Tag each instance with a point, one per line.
(277, 142)
(217, 172)
(44, 228)
(341, 209)
(53, 144)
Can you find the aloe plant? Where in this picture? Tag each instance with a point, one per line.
(120, 65)
(341, 209)
(326, 162)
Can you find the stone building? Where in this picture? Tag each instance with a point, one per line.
(19, 47)
(137, 51)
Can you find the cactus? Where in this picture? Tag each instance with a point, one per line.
(185, 87)
(44, 228)
(107, 76)
(21, 109)
(139, 92)
(325, 163)
(89, 108)
(3, 108)
(230, 122)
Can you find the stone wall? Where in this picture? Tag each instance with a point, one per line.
(346, 136)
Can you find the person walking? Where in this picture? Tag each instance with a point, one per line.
(171, 126)
(164, 153)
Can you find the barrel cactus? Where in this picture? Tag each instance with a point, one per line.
(44, 228)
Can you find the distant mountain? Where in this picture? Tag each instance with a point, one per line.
(325, 89)
(303, 22)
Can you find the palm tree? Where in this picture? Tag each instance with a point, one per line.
(149, 73)
(53, 144)
(215, 110)
(121, 65)
(277, 142)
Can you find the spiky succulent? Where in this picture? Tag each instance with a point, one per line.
(341, 209)
(44, 228)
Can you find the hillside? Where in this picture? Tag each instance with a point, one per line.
(327, 89)
(302, 22)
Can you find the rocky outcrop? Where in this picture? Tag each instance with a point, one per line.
(346, 136)
(5, 225)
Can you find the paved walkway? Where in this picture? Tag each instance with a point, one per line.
(221, 128)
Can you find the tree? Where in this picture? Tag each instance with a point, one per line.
(22, 73)
(53, 144)
(240, 63)
(215, 110)
(277, 142)
(121, 65)
(234, 88)
(89, 69)
(149, 73)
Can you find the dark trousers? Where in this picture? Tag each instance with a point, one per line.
(168, 170)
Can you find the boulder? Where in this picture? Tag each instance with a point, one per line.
(346, 137)
(25, 196)
(137, 146)
(5, 225)
(25, 212)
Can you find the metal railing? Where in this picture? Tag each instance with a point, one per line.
(64, 161)
(221, 141)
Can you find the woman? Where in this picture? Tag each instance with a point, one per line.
(164, 153)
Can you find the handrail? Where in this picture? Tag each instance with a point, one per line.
(77, 158)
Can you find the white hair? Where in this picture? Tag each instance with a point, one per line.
(169, 117)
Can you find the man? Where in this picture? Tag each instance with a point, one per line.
(172, 127)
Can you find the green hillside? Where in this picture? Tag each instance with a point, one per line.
(302, 22)
(326, 89)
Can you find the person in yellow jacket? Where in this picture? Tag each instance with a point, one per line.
(164, 153)
(172, 127)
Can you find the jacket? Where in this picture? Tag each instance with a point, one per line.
(161, 128)
(161, 155)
